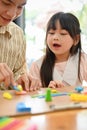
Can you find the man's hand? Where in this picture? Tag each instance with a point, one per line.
(28, 82)
(35, 83)
(24, 81)
(6, 75)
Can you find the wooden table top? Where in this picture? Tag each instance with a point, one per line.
(42, 116)
(65, 120)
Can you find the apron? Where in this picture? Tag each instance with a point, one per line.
(70, 75)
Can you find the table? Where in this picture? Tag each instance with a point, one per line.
(45, 120)
(65, 120)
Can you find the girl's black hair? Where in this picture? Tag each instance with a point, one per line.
(70, 23)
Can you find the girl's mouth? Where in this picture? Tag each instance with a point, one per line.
(56, 45)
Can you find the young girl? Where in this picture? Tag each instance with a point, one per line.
(64, 64)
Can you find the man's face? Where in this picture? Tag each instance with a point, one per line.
(10, 10)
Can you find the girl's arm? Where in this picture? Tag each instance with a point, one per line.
(34, 77)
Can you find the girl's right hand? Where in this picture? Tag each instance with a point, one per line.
(55, 84)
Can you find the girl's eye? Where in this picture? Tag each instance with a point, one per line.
(51, 33)
(63, 33)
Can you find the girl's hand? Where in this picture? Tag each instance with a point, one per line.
(55, 84)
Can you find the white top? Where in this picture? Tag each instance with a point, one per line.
(67, 71)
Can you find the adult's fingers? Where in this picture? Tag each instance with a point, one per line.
(24, 81)
(35, 85)
(6, 74)
(9, 76)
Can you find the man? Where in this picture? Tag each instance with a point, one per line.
(12, 46)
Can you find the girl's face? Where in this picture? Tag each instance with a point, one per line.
(59, 41)
(9, 10)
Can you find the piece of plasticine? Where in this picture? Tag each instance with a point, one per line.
(54, 91)
(21, 107)
(79, 89)
(16, 88)
(53, 95)
(20, 92)
(48, 97)
(7, 95)
(20, 88)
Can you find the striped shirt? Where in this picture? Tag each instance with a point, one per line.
(13, 48)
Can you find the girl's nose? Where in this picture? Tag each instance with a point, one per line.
(56, 37)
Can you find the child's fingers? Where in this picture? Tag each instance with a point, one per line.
(52, 84)
(55, 84)
(59, 84)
